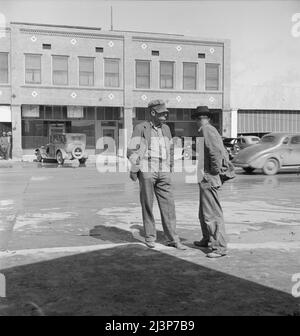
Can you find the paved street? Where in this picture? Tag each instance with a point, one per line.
(74, 241)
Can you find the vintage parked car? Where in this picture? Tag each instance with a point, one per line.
(274, 151)
(234, 145)
(61, 147)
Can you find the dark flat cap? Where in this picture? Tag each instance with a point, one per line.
(201, 111)
(158, 105)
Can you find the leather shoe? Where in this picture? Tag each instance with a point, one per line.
(214, 255)
(202, 243)
(150, 244)
(179, 246)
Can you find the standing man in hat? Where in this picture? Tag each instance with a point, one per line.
(210, 210)
(151, 153)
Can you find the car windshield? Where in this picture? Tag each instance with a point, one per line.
(269, 139)
(76, 138)
(255, 139)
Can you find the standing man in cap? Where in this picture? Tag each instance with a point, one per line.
(151, 153)
(210, 210)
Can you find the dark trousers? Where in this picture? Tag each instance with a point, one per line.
(211, 217)
(5, 151)
(159, 184)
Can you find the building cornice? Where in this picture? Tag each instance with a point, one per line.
(53, 32)
(183, 40)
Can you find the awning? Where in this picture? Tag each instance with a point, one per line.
(265, 121)
(5, 113)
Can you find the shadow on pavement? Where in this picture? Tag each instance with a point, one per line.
(133, 280)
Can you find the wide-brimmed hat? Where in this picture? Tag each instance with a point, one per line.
(201, 111)
(158, 105)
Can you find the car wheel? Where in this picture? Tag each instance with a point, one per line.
(271, 167)
(59, 158)
(249, 170)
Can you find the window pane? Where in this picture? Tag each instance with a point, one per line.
(140, 113)
(60, 70)
(33, 69)
(189, 76)
(212, 77)
(3, 68)
(166, 75)
(112, 73)
(100, 113)
(33, 62)
(166, 68)
(143, 74)
(86, 71)
(295, 140)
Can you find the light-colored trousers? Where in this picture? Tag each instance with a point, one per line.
(158, 183)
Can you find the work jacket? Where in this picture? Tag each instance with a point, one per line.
(211, 156)
(140, 144)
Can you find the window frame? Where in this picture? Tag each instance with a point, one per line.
(293, 143)
(196, 76)
(118, 60)
(79, 72)
(219, 77)
(25, 69)
(136, 74)
(8, 67)
(52, 68)
(173, 75)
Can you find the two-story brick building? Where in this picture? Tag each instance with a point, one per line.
(81, 79)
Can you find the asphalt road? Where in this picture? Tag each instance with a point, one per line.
(73, 232)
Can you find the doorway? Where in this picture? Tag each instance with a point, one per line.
(109, 131)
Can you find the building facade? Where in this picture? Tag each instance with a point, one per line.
(80, 79)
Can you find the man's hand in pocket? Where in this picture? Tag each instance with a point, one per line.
(133, 176)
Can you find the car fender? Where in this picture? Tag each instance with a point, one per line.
(261, 160)
(64, 153)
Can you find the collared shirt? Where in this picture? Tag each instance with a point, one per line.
(158, 149)
(156, 159)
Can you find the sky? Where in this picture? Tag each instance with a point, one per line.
(264, 53)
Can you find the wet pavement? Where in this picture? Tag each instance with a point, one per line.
(51, 213)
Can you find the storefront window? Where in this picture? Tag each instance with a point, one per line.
(86, 127)
(108, 113)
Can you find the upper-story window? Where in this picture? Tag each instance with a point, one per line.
(189, 76)
(142, 74)
(32, 69)
(166, 75)
(112, 72)
(86, 71)
(212, 76)
(60, 70)
(3, 67)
